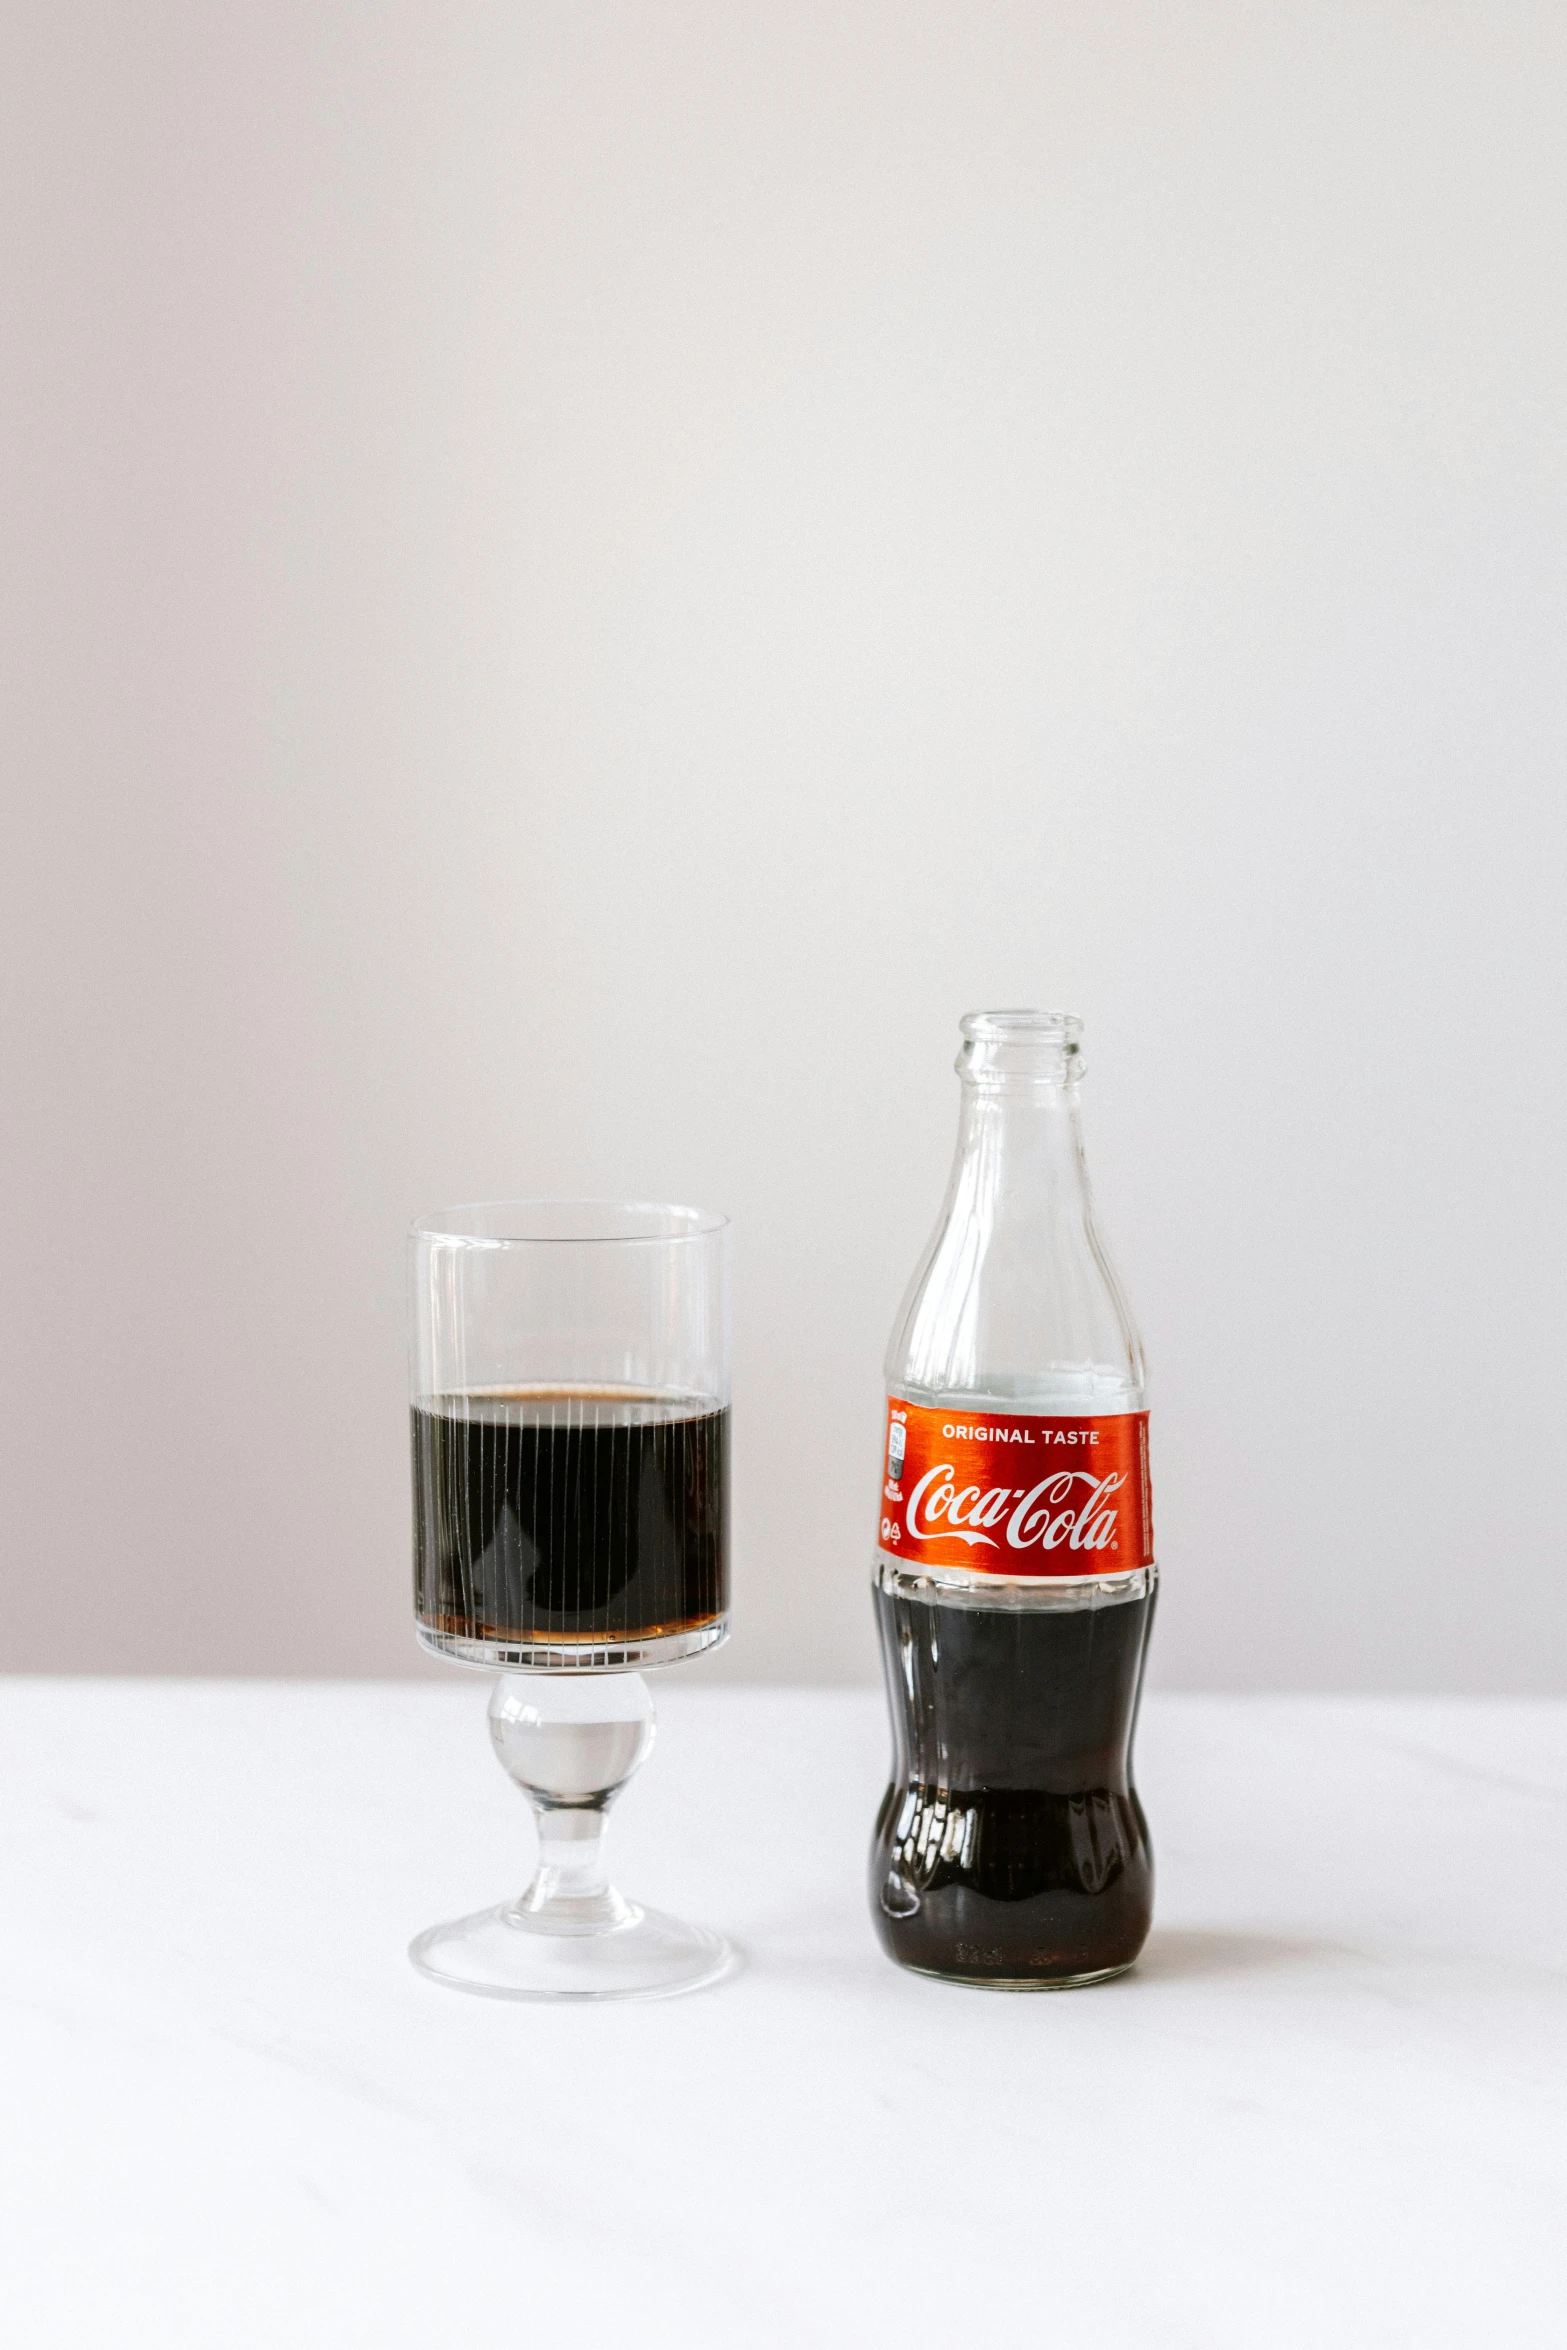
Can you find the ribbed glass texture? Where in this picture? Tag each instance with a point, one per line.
(570, 1414)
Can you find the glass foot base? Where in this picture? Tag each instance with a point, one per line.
(512, 1953)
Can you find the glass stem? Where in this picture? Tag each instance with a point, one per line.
(570, 1741)
(570, 1889)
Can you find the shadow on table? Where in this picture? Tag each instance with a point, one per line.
(1180, 1954)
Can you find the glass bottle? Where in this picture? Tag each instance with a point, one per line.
(1015, 1575)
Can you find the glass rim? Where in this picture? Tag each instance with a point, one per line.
(672, 1224)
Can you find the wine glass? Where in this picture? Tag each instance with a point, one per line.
(570, 1389)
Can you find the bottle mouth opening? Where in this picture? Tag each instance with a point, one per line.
(1063, 1029)
(1036, 1048)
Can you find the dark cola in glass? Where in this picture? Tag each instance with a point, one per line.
(550, 1521)
(1015, 1574)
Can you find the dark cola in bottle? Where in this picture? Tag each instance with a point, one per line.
(1015, 1571)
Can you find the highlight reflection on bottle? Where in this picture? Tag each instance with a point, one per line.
(1015, 1573)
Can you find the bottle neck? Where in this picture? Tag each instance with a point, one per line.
(1020, 1138)
(1020, 1149)
(1015, 1297)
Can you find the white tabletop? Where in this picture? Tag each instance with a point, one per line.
(1329, 2108)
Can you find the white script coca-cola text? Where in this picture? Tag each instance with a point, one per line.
(1069, 1506)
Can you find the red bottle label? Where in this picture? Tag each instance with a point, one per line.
(1014, 1493)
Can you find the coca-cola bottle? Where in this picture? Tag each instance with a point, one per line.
(1015, 1571)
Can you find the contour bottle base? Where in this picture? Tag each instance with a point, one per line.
(1106, 1974)
(1011, 1850)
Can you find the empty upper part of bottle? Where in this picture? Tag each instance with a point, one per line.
(1015, 1300)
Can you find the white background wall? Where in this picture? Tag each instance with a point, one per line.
(580, 580)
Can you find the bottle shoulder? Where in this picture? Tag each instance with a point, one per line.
(1084, 1391)
(1063, 1341)
(1015, 1300)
